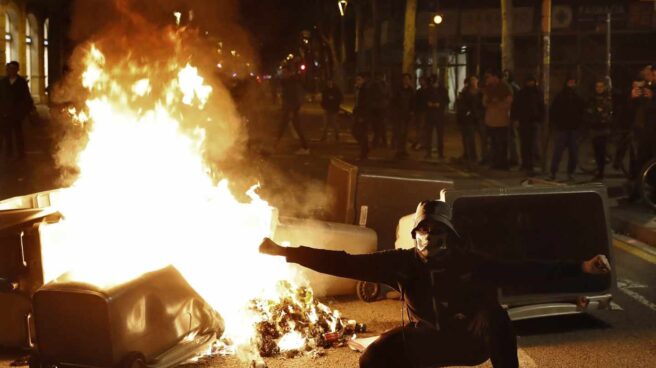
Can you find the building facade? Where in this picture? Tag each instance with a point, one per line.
(35, 33)
(468, 39)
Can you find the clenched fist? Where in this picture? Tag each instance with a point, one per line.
(271, 248)
(597, 265)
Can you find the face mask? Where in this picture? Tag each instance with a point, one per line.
(429, 244)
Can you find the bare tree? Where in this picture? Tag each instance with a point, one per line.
(327, 25)
(507, 57)
(409, 36)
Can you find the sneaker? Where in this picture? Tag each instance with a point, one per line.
(302, 151)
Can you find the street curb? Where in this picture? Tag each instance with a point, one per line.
(644, 234)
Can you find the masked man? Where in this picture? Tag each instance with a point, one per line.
(454, 313)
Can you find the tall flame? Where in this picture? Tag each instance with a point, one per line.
(145, 197)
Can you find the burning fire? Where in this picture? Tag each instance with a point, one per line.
(145, 197)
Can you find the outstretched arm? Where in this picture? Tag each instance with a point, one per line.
(520, 272)
(383, 267)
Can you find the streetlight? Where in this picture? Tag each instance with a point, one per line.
(342, 6)
(432, 35)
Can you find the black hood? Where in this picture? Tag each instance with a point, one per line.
(438, 211)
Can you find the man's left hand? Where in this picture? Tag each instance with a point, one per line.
(597, 265)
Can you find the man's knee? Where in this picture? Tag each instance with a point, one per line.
(375, 356)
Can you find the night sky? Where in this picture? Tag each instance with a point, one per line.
(275, 26)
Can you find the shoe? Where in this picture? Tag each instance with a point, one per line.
(427, 155)
(302, 151)
(551, 177)
(598, 178)
(570, 177)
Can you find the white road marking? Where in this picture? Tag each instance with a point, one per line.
(626, 285)
(629, 284)
(615, 306)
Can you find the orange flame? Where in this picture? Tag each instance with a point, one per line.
(145, 197)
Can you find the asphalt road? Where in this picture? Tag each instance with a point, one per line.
(622, 337)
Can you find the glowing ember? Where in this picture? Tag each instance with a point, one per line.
(291, 341)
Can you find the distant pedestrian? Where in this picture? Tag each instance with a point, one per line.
(421, 106)
(404, 106)
(640, 115)
(497, 99)
(15, 105)
(292, 99)
(378, 98)
(438, 100)
(331, 99)
(528, 110)
(470, 111)
(566, 115)
(362, 114)
(513, 157)
(598, 117)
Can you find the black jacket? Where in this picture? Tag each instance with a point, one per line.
(439, 95)
(449, 291)
(528, 105)
(404, 101)
(566, 111)
(15, 100)
(421, 99)
(291, 92)
(331, 98)
(469, 107)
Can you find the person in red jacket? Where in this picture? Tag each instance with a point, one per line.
(450, 293)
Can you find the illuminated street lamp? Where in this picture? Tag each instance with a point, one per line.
(432, 37)
(342, 6)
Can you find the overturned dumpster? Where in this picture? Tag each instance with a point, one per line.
(21, 271)
(156, 320)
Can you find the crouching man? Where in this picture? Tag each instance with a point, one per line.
(450, 293)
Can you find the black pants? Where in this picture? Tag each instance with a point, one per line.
(468, 131)
(499, 146)
(12, 135)
(599, 144)
(565, 140)
(291, 112)
(361, 134)
(527, 132)
(423, 347)
(378, 125)
(401, 131)
(434, 121)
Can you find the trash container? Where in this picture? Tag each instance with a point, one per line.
(376, 197)
(555, 223)
(156, 319)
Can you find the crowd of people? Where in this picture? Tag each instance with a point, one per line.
(502, 124)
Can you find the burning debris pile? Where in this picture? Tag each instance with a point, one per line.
(296, 323)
